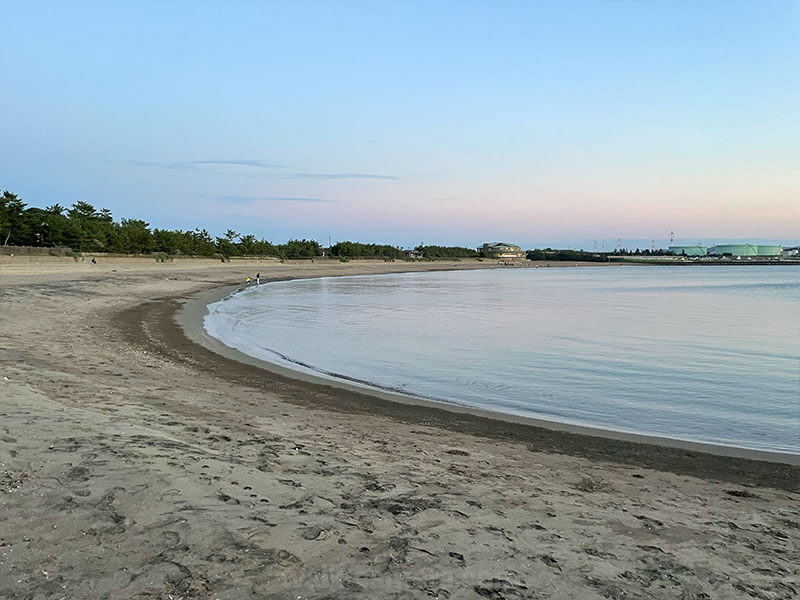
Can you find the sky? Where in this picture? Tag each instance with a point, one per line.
(436, 122)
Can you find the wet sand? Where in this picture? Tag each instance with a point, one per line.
(137, 463)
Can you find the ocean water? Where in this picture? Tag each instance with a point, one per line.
(709, 354)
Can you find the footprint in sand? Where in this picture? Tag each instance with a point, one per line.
(170, 538)
(78, 474)
(227, 499)
(310, 533)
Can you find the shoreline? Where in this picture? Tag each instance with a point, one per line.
(135, 463)
(193, 310)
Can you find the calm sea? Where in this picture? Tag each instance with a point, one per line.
(708, 354)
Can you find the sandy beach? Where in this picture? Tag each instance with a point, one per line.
(136, 462)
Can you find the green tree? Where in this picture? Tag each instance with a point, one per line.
(201, 243)
(227, 245)
(55, 225)
(246, 244)
(536, 254)
(264, 248)
(56, 209)
(11, 220)
(134, 237)
(35, 229)
(301, 249)
(170, 242)
(89, 229)
(82, 211)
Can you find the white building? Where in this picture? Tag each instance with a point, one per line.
(501, 250)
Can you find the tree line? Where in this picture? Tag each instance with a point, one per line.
(571, 255)
(645, 252)
(359, 250)
(447, 252)
(83, 228)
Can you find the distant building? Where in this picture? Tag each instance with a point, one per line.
(501, 250)
(688, 250)
(413, 254)
(745, 250)
(791, 251)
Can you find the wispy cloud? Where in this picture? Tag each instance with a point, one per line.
(341, 176)
(196, 164)
(251, 199)
(252, 163)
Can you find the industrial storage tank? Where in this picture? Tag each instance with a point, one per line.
(734, 249)
(769, 250)
(688, 250)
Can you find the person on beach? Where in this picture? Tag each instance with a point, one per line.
(247, 281)
(258, 278)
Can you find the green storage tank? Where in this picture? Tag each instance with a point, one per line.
(734, 249)
(769, 250)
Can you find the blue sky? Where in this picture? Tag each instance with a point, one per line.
(408, 122)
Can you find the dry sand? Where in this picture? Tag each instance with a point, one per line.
(135, 463)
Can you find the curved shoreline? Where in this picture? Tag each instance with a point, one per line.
(192, 322)
(705, 460)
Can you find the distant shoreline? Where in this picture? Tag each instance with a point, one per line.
(12, 254)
